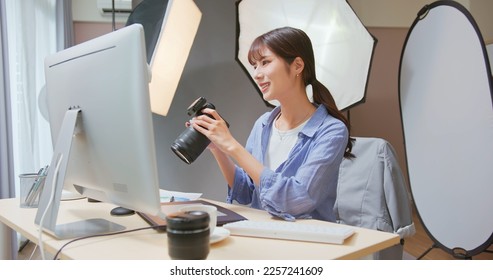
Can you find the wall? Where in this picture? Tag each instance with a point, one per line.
(392, 13)
(86, 11)
(481, 11)
(401, 13)
(212, 72)
(379, 116)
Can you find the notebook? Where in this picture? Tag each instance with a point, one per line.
(224, 215)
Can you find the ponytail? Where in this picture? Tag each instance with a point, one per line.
(322, 95)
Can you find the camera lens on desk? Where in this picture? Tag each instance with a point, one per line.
(188, 235)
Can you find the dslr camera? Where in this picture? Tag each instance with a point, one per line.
(191, 143)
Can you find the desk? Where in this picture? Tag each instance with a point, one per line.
(150, 244)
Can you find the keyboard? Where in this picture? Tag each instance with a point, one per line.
(290, 231)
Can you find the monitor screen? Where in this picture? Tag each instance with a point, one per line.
(111, 154)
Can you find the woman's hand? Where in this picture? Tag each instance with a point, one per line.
(215, 129)
(211, 145)
(227, 148)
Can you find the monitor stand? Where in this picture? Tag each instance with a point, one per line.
(49, 201)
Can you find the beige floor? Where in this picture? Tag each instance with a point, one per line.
(418, 244)
(31, 252)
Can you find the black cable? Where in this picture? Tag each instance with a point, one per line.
(99, 235)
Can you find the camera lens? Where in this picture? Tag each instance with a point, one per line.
(189, 145)
(188, 235)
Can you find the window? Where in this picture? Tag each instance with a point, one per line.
(31, 29)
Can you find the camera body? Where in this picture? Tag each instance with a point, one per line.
(191, 143)
(195, 109)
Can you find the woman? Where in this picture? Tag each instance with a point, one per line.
(290, 164)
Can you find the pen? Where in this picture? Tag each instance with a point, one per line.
(45, 171)
(35, 188)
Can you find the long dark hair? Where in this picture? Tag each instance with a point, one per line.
(290, 43)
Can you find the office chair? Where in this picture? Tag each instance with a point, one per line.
(372, 193)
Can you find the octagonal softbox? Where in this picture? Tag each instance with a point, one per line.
(343, 47)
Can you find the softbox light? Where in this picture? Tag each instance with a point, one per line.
(343, 46)
(445, 95)
(170, 27)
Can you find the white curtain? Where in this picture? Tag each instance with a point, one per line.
(6, 158)
(31, 29)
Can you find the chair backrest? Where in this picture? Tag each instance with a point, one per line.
(372, 192)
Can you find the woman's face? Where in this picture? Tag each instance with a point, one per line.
(273, 75)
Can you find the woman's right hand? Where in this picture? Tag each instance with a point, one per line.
(214, 127)
(212, 147)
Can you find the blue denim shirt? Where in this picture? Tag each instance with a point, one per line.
(305, 185)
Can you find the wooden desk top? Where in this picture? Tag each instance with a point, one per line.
(150, 244)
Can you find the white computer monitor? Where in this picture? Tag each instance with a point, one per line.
(101, 124)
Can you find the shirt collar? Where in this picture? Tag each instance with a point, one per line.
(310, 128)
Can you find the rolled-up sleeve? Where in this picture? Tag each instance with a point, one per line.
(243, 188)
